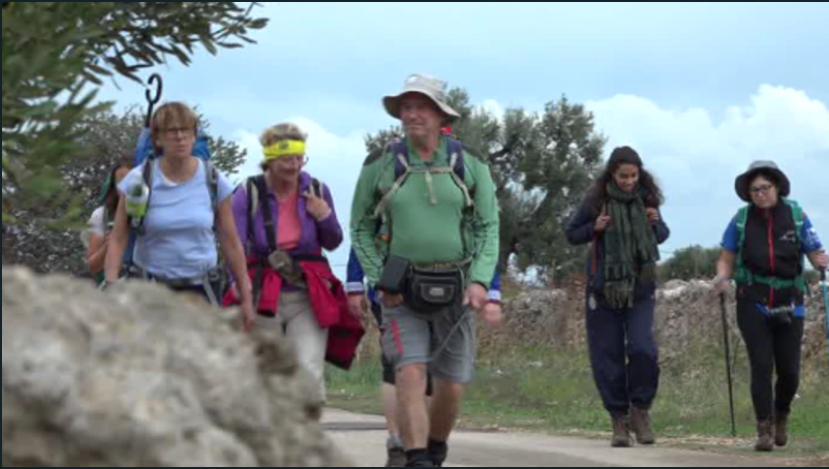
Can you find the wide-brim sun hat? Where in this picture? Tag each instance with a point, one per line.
(743, 181)
(425, 85)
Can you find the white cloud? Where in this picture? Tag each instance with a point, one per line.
(491, 107)
(697, 156)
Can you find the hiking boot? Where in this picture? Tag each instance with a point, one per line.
(418, 458)
(420, 463)
(640, 422)
(438, 451)
(781, 428)
(765, 436)
(621, 432)
(397, 458)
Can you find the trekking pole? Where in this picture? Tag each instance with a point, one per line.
(152, 100)
(825, 288)
(728, 364)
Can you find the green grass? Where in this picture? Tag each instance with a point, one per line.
(544, 391)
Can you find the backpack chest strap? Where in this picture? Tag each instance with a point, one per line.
(428, 172)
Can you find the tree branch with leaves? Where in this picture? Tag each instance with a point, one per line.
(55, 57)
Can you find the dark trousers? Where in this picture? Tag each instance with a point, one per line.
(624, 354)
(771, 343)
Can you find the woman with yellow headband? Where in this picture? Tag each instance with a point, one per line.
(285, 219)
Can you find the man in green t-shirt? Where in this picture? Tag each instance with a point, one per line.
(436, 200)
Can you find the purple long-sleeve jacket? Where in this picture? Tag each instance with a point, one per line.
(316, 235)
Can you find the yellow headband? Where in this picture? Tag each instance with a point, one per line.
(284, 148)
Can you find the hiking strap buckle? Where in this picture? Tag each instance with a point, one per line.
(287, 267)
(427, 172)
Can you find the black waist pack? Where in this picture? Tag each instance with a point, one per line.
(432, 290)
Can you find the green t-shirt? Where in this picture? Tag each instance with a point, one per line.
(421, 231)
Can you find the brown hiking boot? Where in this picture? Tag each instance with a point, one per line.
(781, 428)
(621, 432)
(765, 436)
(640, 422)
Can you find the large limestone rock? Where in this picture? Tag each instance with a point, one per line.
(139, 376)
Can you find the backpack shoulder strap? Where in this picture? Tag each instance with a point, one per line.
(799, 221)
(211, 176)
(742, 219)
(260, 195)
(400, 152)
(458, 164)
(316, 188)
(456, 158)
(212, 179)
(252, 193)
(797, 216)
(741, 274)
(252, 189)
(147, 171)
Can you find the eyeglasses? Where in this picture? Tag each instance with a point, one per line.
(186, 131)
(764, 189)
(298, 159)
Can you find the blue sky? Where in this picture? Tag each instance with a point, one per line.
(699, 89)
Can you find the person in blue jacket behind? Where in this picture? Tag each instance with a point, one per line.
(620, 217)
(360, 299)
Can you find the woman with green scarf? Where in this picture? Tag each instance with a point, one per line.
(620, 217)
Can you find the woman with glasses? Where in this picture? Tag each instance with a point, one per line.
(178, 205)
(286, 219)
(763, 251)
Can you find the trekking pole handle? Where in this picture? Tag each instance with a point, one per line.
(153, 100)
(823, 276)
